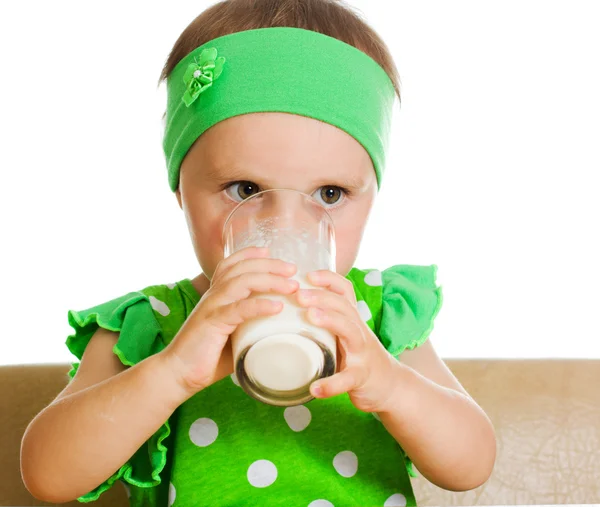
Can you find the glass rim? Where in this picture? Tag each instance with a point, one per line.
(262, 192)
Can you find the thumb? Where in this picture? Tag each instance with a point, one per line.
(339, 383)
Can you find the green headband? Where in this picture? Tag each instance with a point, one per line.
(283, 69)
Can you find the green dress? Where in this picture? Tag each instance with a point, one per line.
(223, 448)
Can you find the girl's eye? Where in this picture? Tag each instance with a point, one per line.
(241, 190)
(329, 195)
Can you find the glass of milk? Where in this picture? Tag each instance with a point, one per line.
(276, 358)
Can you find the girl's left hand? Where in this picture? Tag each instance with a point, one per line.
(367, 372)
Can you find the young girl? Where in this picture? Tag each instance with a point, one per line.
(265, 94)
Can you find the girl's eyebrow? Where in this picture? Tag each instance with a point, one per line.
(221, 175)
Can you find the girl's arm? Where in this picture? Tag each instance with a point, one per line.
(104, 416)
(97, 422)
(448, 437)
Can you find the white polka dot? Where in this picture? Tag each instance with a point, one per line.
(346, 463)
(320, 503)
(171, 285)
(172, 494)
(159, 306)
(373, 278)
(363, 310)
(262, 473)
(235, 379)
(298, 418)
(204, 432)
(397, 500)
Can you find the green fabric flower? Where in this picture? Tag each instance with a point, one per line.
(201, 73)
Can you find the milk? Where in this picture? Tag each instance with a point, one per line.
(285, 350)
(277, 357)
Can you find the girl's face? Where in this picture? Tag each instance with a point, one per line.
(246, 154)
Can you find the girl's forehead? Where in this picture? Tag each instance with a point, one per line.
(287, 128)
(269, 142)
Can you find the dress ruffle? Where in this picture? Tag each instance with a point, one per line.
(410, 302)
(139, 337)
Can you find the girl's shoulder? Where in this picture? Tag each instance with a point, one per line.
(171, 304)
(146, 320)
(398, 303)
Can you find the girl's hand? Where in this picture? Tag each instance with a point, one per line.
(195, 351)
(366, 369)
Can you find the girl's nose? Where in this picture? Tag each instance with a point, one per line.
(286, 209)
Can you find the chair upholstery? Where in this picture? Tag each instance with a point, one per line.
(546, 414)
(24, 391)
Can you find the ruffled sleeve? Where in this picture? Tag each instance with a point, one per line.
(411, 300)
(133, 318)
(399, 304)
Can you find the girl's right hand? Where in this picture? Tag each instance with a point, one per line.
(195, 351)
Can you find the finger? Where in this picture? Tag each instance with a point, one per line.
(245, 284)
(334, 282)
(326, 299)
(228, 317)
(349, 330)
(346, 380)
(245, 253)
(258, 265)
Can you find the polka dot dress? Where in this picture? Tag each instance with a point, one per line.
(323, 453)
(229, 449)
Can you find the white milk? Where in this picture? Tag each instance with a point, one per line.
(284, 360)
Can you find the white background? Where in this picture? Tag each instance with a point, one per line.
(492, 174)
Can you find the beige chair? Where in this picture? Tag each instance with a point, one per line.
(546, 414)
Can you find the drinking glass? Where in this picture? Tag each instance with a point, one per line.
(277, 357)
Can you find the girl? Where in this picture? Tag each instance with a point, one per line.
(265, 94)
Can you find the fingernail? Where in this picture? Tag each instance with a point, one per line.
(317, 390)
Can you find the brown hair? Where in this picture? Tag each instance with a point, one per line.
(330, 17)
